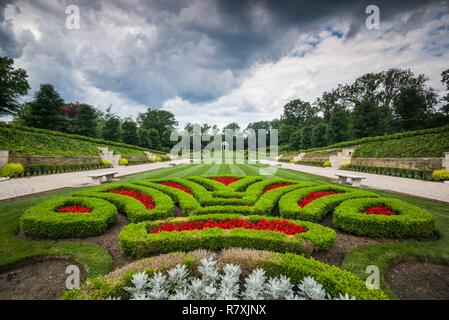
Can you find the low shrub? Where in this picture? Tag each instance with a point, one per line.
(123, 162)
(327, 164)
(137, 241)
(334, 280)
(132, 208)
(44, 221)
(397, 172)
(12, 170)
(319, 208)
(440, 175)
(106, 163)
(345, 165)
(158, 159)
(407, 222)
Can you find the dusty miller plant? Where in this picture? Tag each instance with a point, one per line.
(226, 284)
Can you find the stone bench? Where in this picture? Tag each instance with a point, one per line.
(96, 178)
(173, 164)
(4, 179)
(355, 180)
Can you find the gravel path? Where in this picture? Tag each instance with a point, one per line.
(25, 186)
(414, 187)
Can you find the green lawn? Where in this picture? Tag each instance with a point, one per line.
(97, 260)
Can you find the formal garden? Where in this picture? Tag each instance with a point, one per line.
(218, 231)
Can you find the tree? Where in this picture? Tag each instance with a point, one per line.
(233, 126)
(306, 136)
(161, 120)
(85, 121)
(337, 129)
(45, 111)
(297, 112)
(155, 139)
(129, 132)
(318, 138)
(112, 129)
(366, 119)
(445, 81)
(144, 138)
(285, 131)
(13, 85)
(413, 108)
(295, 140)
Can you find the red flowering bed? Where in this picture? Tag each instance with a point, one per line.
(225, 180)
(145, 199)
(382, 210)
(176, 186)
(275, 186)
(282, 226)
(313, 196)
(74, 209)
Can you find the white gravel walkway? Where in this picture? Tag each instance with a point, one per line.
(13, 188)
(414, 187)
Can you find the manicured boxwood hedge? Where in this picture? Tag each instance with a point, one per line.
(397, 172)
(319, 208)
(409, 221)
(132, 208)
(43, 220)
(296, 267)
(135, 240)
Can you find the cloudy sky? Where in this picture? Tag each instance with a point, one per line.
(217, 61)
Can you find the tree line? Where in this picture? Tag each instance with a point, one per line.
(374, 104)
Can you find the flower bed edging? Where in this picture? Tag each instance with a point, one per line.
(135, 240)
(296, 267)
(132, 208)
(408, 221)
(321, 207)
(43, 220)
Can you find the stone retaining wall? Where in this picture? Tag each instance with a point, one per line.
(403, 163)
(51, 159)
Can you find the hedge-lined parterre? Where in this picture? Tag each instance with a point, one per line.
(407, 221)
(138, 241)
(319, 208)
(131, 207)
(44, 221)
(296, 267)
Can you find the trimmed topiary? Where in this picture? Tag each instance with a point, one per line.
(44, 221)
(132, 208)
(12, 170)
(407, 221)
(321, 207)
(138, 241)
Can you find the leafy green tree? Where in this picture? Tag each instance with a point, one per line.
(318, 138)
(45, 110)
(297, 112)
(129, 132)
(413, 108)
(144, 138)
(295, 139)
(232, 126)
(161, 120)
(366, 119)
(85, 121)
(155, 139)
(337, 129)
(13, 85)
(306, 136)
(445, 81)
(112, 129)
(285, 131)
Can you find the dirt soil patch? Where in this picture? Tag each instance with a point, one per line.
(418, 280)
(42, 280)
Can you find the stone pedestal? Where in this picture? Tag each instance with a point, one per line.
(109, 155)
(343, 156)
(446, 161)
(299, 157)
(4, 156)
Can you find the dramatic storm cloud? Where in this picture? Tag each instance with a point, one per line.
(217, 61)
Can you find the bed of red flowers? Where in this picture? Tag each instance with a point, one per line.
(313, 196)
(382, 210)
(282, 226)
(176, 186)
(275, 186)
(74, 209)
(225, 180)
(145, 199)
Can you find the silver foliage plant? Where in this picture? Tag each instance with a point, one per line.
(224, 285)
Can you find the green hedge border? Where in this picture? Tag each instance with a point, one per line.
(42, 220)
(296, 267)
(319, 208)
(409, 221)
(132, 208)
(137, 242)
